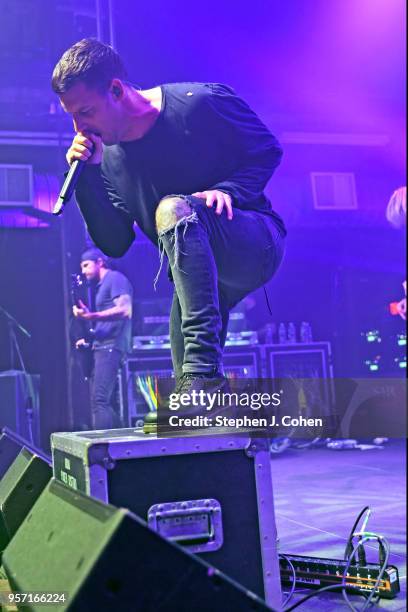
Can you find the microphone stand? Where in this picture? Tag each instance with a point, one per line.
(14, 325)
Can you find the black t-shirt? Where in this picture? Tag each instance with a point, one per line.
(205, 137)
(112, 334)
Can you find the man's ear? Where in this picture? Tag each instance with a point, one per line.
(117, 89)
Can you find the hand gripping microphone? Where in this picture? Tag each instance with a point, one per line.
(69, 185)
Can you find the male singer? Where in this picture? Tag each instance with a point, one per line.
(189, 163)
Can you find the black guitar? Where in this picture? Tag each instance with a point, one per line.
(82, 329)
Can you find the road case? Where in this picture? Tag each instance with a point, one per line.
(212, 494)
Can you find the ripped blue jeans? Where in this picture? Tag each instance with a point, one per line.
(214, 264)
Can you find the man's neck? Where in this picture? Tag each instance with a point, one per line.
(143, 111)
(102, 273)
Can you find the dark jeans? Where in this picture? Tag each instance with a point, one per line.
(214, 263)
(103, 386)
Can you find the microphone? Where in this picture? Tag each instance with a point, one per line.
(69, 185)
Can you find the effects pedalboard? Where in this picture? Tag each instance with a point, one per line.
(316, 573)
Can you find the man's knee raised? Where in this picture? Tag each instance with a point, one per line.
(170, 211)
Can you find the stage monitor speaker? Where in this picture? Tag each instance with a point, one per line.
(20, 487)
(20, 404)
(9, 450)
(93, 556)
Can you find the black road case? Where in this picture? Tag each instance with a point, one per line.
(213, 495)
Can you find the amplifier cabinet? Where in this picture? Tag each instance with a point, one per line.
(213, 495)
(298, 360)
(242, 361)
(305, 369)
(239, 362)
(141, 364)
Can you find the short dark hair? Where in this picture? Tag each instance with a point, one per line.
(88, 61)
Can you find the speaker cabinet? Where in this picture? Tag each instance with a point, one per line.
(20, 487)
(93, 556)
(9, 450)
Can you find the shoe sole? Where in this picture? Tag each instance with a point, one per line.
(186, 433)
(149, 429)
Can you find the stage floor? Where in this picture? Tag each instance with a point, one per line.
(319, 493)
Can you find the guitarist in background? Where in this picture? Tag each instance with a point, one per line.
(112, 332)
(396, 214)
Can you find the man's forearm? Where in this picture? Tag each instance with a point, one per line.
(110, 228)
(116, 313)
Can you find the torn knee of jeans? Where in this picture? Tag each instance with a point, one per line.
(174, 230)
(170, 211)
(174, 239)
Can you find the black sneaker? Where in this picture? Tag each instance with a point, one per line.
(195, 386)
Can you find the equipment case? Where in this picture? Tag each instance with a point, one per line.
(212, 494)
